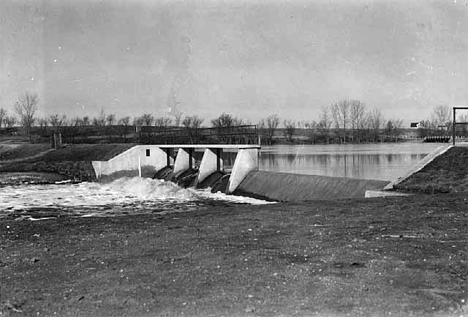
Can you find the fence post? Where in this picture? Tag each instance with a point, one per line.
(453, 126)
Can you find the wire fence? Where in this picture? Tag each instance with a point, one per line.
(244, 134)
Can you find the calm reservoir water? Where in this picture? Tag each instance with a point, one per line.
(385, 161)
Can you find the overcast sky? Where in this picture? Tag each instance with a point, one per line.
(248, 58)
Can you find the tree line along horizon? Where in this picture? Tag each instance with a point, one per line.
(341, 122)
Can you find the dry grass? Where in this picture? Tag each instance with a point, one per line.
(447, 173)
(21, 151)
(86, 152)
(78, 152)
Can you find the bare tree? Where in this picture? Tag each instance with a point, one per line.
(268, 127)
(10, 121)
(3, 114)
(85, 121)
(26, 108)
(441, 118)
(125, 122)
(442, 114)
(100, 121)
(76, 121)
(223, 124)
(357, 118)
(226, 120)
(325, 123)
(147, 119)
(374, 123)
(193, 124)
(43, 124)
(137, 121)
(110, 128)
(393, 129)
(425, 128)
(311, 128)
(110, 119)
(163, 122)
(340, 113)
(289, 129)
(57, 121)
(178, 118)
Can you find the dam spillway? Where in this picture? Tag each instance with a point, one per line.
(296, 187)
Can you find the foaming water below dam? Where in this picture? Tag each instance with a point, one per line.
(127, 195)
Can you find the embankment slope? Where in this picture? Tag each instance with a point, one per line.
(71, 162)
(445, 173)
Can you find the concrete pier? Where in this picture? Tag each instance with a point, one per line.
(246, 161)
(211, 162)
(147, 160)
(183, 161)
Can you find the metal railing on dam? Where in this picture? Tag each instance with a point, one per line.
(147, 160)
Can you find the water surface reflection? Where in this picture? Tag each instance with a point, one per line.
(368, 161)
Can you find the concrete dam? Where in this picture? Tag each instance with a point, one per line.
(177, 163)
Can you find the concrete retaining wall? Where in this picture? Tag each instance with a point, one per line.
(295, 187)
(147, 158)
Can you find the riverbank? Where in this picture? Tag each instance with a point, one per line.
(73, 162)
(446, 173)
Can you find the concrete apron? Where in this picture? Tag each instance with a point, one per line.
(295, 187)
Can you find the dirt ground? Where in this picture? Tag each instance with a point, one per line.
(375, 257)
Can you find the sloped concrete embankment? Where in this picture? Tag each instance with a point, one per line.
(295, 187)
(390, 189)
(419, 166)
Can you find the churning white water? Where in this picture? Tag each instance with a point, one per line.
(122, 196)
